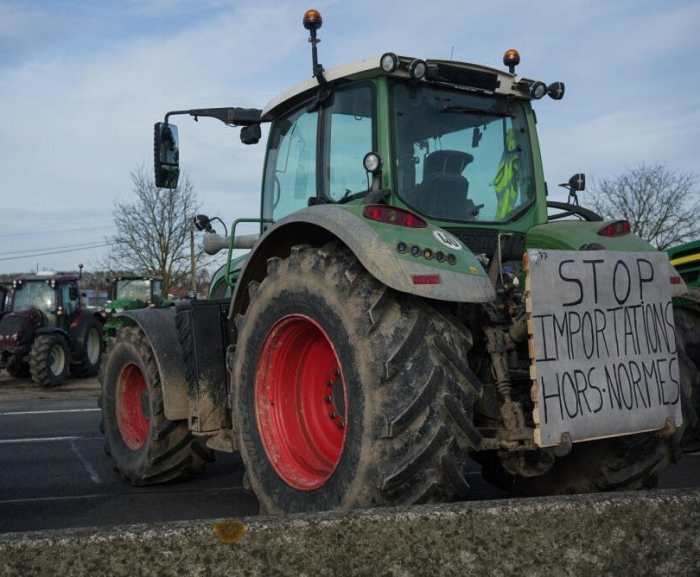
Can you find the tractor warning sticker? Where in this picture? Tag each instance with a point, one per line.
(602, 344)
(447, 239)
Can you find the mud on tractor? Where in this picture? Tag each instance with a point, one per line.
(412, 300)
(47, 332)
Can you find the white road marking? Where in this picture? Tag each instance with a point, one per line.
(55, 412)
(87, 464)
(38, 440)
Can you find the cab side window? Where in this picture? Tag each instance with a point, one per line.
(348, 134)
(290, 171)
(69, 304)
(319, 153)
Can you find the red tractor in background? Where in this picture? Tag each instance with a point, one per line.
(47, 333)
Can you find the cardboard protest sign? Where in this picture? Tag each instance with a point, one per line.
(603, 346)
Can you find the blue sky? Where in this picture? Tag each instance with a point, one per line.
(81, 84)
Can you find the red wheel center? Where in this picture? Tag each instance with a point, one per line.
(133, 424)
(300, 402)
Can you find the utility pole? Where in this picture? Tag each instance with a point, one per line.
(193, 268)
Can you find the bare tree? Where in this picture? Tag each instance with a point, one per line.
(662, 206)
(154, 230)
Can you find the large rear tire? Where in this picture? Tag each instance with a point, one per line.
(145, 445)
(48, 359)
(347, 393)
(688, 336)
(88, 362)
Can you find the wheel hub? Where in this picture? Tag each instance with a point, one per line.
(131, 396)
(300, 402)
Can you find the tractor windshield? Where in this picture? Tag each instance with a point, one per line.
(134, 289)
(461, 156)
(39, 295)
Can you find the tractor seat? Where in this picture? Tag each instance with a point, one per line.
(443, 192)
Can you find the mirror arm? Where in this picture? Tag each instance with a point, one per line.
(230, 116)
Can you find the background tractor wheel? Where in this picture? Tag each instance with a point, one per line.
(48, 359)
(688, 336)
(88, 362)
(145, 445)
(348, 393)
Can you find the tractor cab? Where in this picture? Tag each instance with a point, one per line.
(449, 143)
(56, 297)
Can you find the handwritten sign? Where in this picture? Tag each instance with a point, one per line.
(602, 344)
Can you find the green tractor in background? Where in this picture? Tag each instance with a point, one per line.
(412, 300)
(127, 293)
(686, 259)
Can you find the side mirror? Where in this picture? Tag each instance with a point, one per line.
(577, 182)
(166, 152)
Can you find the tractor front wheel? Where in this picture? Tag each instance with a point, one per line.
(349, 394)
(145, 445)
(48, 359)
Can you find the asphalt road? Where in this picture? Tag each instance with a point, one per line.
(54, 473)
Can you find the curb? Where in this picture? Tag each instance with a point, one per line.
(655, 532)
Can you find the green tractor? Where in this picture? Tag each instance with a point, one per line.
(412, 300)
(686, 259)
(131, 292)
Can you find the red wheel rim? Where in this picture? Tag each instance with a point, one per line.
(133, 423)
(300, 402)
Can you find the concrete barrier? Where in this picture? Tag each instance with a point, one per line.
(644, 533)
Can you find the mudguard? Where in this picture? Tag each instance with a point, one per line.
(158, 324)
(50, 331)
(375, 246)
(79, 328)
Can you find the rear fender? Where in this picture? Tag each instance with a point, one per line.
(158, 324)
(51, 331)
(375, 246)
(79, 327)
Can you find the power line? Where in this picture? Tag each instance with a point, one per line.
(34, 232)
(63, 247)
(32, 255)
